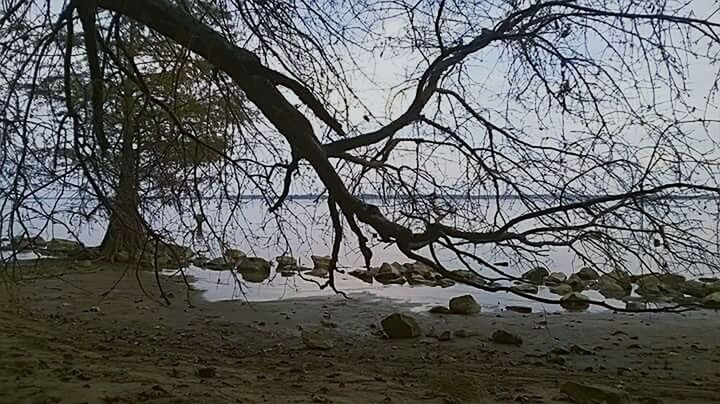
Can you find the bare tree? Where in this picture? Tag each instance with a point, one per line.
(583, 112)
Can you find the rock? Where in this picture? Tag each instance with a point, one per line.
(525, 288)
(321, 263)
(536, 275)
(94, 309)
(58, 245)
(444, 336)
(390, 274)
(254, 269)
(519, 309)
(694, 288)
(444, 282)
(286, 263)
(622, 278)
(506, 338)
(712, 300)
(712, 288)
(592, 394)
(635, 306)
(219, 264)
(362, 274)
(672, 280)
(469, 276)
(21, 243)
(440, 310)
(588, 274)
(207, 373)
(399, 325)
(316, 339)
(465, 333)
(421, 269)
(464, 304)
(233, 255)
(555, 278)
(318, 272)
(708, 280)
(648, 281)
(561, 289)
(415, 279)
(576, 283)
(610, 288)
(574, 302)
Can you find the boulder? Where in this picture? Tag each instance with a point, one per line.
(286, 263)
(712, 300)
(574, 302)
(254, 269)
(318, 272)
(583, 393)
(712, 288)
(622, 278)
(444, 282)
(415, 279)
(576, 283)
(588, 274)
(469, 275)
(440, 310)
(321, 263)
(233, 256)
(672, 280)
(316, 339)
(525, 288)
(555, 278)
(390, 274)
(62, 246)
(219, 264)
(608, 287)
(421, 269)
(536, 275)
(362, 274)
(506, 338)
(21, 243)
(464, 304)
(561, 289)
(400, 325)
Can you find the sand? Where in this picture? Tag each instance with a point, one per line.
(65, 339)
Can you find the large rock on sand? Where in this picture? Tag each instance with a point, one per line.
(574, 302)
(464, 304)
(712, 300)
(582, 393)
(399, 325)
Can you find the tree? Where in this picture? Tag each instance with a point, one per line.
(580, 110)
(147, 155)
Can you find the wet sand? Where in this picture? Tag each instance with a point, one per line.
(64, 340)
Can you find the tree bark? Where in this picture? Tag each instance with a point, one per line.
(126, 232)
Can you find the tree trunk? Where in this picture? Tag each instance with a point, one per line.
(126, 235)
(126, 232)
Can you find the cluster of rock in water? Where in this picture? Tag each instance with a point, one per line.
(635, 290)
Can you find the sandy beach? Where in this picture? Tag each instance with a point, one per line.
(76, 332)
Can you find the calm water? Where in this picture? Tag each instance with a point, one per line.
(304, 230)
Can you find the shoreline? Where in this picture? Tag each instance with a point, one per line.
(54, 346)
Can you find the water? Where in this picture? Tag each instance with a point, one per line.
(303, 229)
